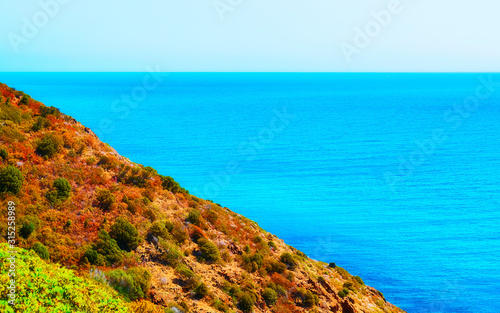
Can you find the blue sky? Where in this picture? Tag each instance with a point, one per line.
(250, 35)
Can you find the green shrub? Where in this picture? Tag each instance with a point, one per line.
(41, 123)
(41, 250)
(209, 250)
(308, 298)
(125, 234)
(4, 154)
(108, 248)
(10, 113)
(270, 296)
(158, 229)
(343, 293)
(219, 305)
(188, 278)
(245, 302)
(44, 111)
(194, 217)
(332, 265)
(105, 199)
(49, 145)
(61, 190)
(142, 277)
(288, 259)
(47, 287)
(246, 249)
(274, 266)
(93, 257)
(28, 224)
(171, 255)
(133, 283)
(24, 100)
(11, 180)
(321, 280)
(171, 185)
(169, 226)
(179, 234)
(26, 230)
(201, 290)
(252, 263)
(359, 280)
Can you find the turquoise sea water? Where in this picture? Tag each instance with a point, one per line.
(391, 176)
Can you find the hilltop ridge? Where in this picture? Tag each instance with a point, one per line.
(82, 205)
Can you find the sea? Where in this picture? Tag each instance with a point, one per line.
(392, 176)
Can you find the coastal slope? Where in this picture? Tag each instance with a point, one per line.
(142, 237)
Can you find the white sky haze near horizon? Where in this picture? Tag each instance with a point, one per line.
(250, 35)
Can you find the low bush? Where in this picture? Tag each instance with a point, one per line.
(288, 259)
(171, 185)
(343, 293)
(252, 263)
(274, 266)
(219, 305)
(171, 254)
(194, 217)
(49, 145)
(11, 180)
(209, 251)
(24, 100)
(158, 229)
(4, 154)
(93, 257)
(270, 296)
(45, 110)
(180, 235)
(200, 291)
(306, 297)
(358, 280)
(187, 277)
(108, 248)
(61, 190)
(134, 283)
(348, 285)
(126, 235)
(271, 244)
(245, 302)
(105, 200)
(10, 113)
(41, 250)
(41, 123)
(28, 224)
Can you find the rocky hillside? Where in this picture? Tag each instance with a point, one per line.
(142, 236)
